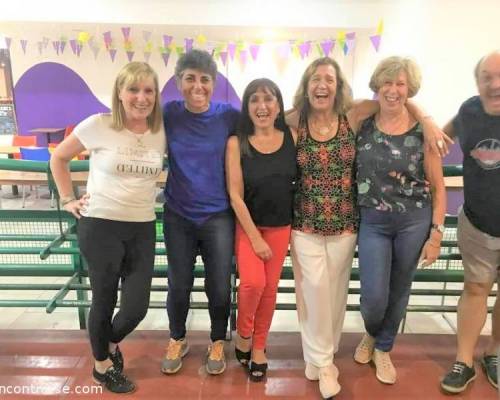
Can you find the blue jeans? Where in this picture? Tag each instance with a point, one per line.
(389, 245)
(214, 240)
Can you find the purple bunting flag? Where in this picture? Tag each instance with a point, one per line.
(223, 57)
(126, 32)
(107, 38)
(39, 45)
(130, 55)
(231, 49)
(62, 46)
(375, 39)
(24, 43)
(165, 57)
(254, 50)
(188, 44)
(56, 44)
(72, 44)
(327, 46)
(8, 41)
(243, 57)
(112, 54)
(167, 39)
(303, 50)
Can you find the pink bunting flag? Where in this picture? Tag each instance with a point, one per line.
(72, 44)
(94, 47)
(112, 54)
(210, 47)
(147, 55)
(223, 57)
(167, 39)
(126, 32)
(39, 45)
(130, 55)
(284, 50)
(243, 57)
(375, 39)
(24, 43)
(350, 43)
(327, 46)
(254, 50)
(107, 38)
(8, 41)
(188, 44)
(56, 44)
(146, 35)
(62, 46)
(350, 35)
(165, 57)
(231, 49)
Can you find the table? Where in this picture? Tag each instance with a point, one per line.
(47, 131)
(10, 151)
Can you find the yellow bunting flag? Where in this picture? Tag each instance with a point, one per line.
(380, 27)
(201, 39)
(83, 37)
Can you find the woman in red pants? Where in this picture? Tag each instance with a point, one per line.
(260, 174)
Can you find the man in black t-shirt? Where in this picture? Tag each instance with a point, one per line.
(477, 127)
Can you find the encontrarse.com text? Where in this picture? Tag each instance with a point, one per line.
(35, 389)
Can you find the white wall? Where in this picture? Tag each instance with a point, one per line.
(446, 37)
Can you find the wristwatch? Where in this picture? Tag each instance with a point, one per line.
(438, 227)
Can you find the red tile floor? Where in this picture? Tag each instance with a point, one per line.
(56, 362)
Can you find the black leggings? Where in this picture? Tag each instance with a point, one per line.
(116, 250)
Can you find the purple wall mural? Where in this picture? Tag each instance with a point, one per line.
(223, 92)
(51, 95)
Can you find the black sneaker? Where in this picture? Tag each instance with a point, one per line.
(490, 365)
(117, 358)
(458, 378)
(114, 381)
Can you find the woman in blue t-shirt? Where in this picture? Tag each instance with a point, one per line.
(197, 215)
(401, 217)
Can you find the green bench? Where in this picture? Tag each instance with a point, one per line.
(43, 243)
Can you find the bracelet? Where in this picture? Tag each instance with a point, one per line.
(66, 200)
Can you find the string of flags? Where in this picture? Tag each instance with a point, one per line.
(229, 51)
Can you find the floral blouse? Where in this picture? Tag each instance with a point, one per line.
(390, 169)
(325, 199)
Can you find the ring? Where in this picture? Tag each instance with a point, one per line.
(440, 143)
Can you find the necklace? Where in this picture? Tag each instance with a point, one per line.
(322, 130)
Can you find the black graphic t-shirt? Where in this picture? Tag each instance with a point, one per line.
(479, 136)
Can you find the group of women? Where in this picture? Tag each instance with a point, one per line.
(326, 176)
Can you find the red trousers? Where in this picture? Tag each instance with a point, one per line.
(259, 282)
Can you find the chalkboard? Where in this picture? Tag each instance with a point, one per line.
(7, 118)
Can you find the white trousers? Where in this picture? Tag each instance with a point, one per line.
(321, 267)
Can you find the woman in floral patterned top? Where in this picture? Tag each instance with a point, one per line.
(325, 218)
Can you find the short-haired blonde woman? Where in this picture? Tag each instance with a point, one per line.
(116, 226)
(401, 216)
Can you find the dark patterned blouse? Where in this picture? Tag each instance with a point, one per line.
(390, 169)
(325, 203)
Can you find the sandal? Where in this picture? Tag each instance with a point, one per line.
(257, 371)
(243, 357)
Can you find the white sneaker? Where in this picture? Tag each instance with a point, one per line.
(311, 372)
(328, 381)
(364, 350)
(386, 373)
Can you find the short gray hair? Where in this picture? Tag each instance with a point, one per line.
(390, 67)
(196, 59)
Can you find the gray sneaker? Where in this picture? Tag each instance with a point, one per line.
(216, 359)
(173, 359)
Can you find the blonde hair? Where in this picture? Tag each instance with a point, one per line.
(129, 75)
(343, 96)
(389, 68)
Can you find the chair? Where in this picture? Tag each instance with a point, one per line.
(34, 154)
(23, 141)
